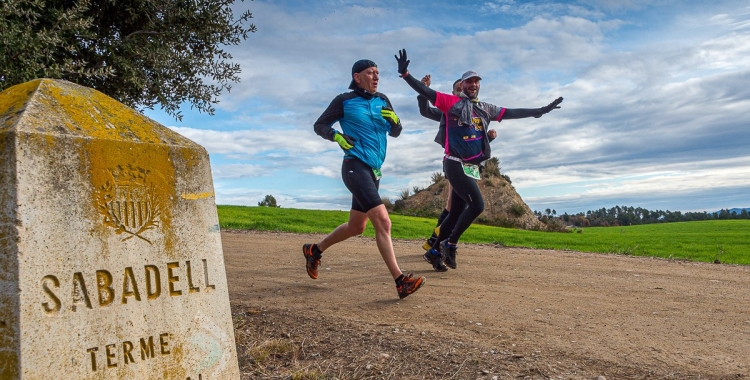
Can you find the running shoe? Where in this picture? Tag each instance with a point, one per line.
(409, 285)
(312, 261)
(448, 252)
(433, 257)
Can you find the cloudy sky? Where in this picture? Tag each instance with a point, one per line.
(655, 115)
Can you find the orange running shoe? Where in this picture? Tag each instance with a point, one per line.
(312, 261)
(409, 285)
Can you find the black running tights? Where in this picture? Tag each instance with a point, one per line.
(466, 203)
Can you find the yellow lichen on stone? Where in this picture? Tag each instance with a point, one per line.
(194, 197)
(93, 114)
(107, 136)
(92, 187)
(61, 107)
(108, 162)
(13, 100)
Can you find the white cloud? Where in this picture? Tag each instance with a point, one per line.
(655, 94)
(235, 171)
(321, 170)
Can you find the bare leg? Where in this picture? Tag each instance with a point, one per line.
(355, 226)
(382, 224)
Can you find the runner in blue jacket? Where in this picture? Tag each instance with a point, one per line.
(366, 119)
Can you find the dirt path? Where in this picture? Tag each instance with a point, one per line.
(513, 312)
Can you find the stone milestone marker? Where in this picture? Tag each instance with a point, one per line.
(111, 264)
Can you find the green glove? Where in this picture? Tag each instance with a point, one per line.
(390, 116)
(392, 119)
(345, 142)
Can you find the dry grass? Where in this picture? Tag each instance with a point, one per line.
(280, 345)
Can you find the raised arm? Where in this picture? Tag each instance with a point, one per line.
(520, 113)
(425, 110)
(418, 86)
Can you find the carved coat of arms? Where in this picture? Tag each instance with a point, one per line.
(128, 203)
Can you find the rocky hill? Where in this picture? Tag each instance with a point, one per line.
(503, 206)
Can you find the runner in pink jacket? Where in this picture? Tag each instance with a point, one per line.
(466, 146)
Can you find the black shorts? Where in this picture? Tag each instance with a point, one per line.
(361, 182)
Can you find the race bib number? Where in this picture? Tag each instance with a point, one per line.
(471, 170)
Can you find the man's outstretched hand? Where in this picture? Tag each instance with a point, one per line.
(492, 134)
(403, 63)
(549, 107)
(427, 80)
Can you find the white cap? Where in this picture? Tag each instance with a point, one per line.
(470, 74)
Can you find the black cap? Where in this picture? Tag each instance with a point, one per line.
(362, 64)
(359, 66)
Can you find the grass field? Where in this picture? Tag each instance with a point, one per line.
(726, 241)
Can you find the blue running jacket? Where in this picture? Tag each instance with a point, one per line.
(358, 114)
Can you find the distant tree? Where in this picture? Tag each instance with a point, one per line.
(626, 216)
(268, 201)
(437, 177)
(142, 53)
(518, 209)
(492, 167)
(387, 203)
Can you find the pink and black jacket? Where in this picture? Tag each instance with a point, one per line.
(466, 121)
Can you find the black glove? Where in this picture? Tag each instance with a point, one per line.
(548, 108)
(403, 63)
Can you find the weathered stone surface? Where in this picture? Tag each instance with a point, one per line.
(111, 264)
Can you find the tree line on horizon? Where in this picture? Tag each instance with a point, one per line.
(627, 216)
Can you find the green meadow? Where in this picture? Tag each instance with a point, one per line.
(725, 241)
